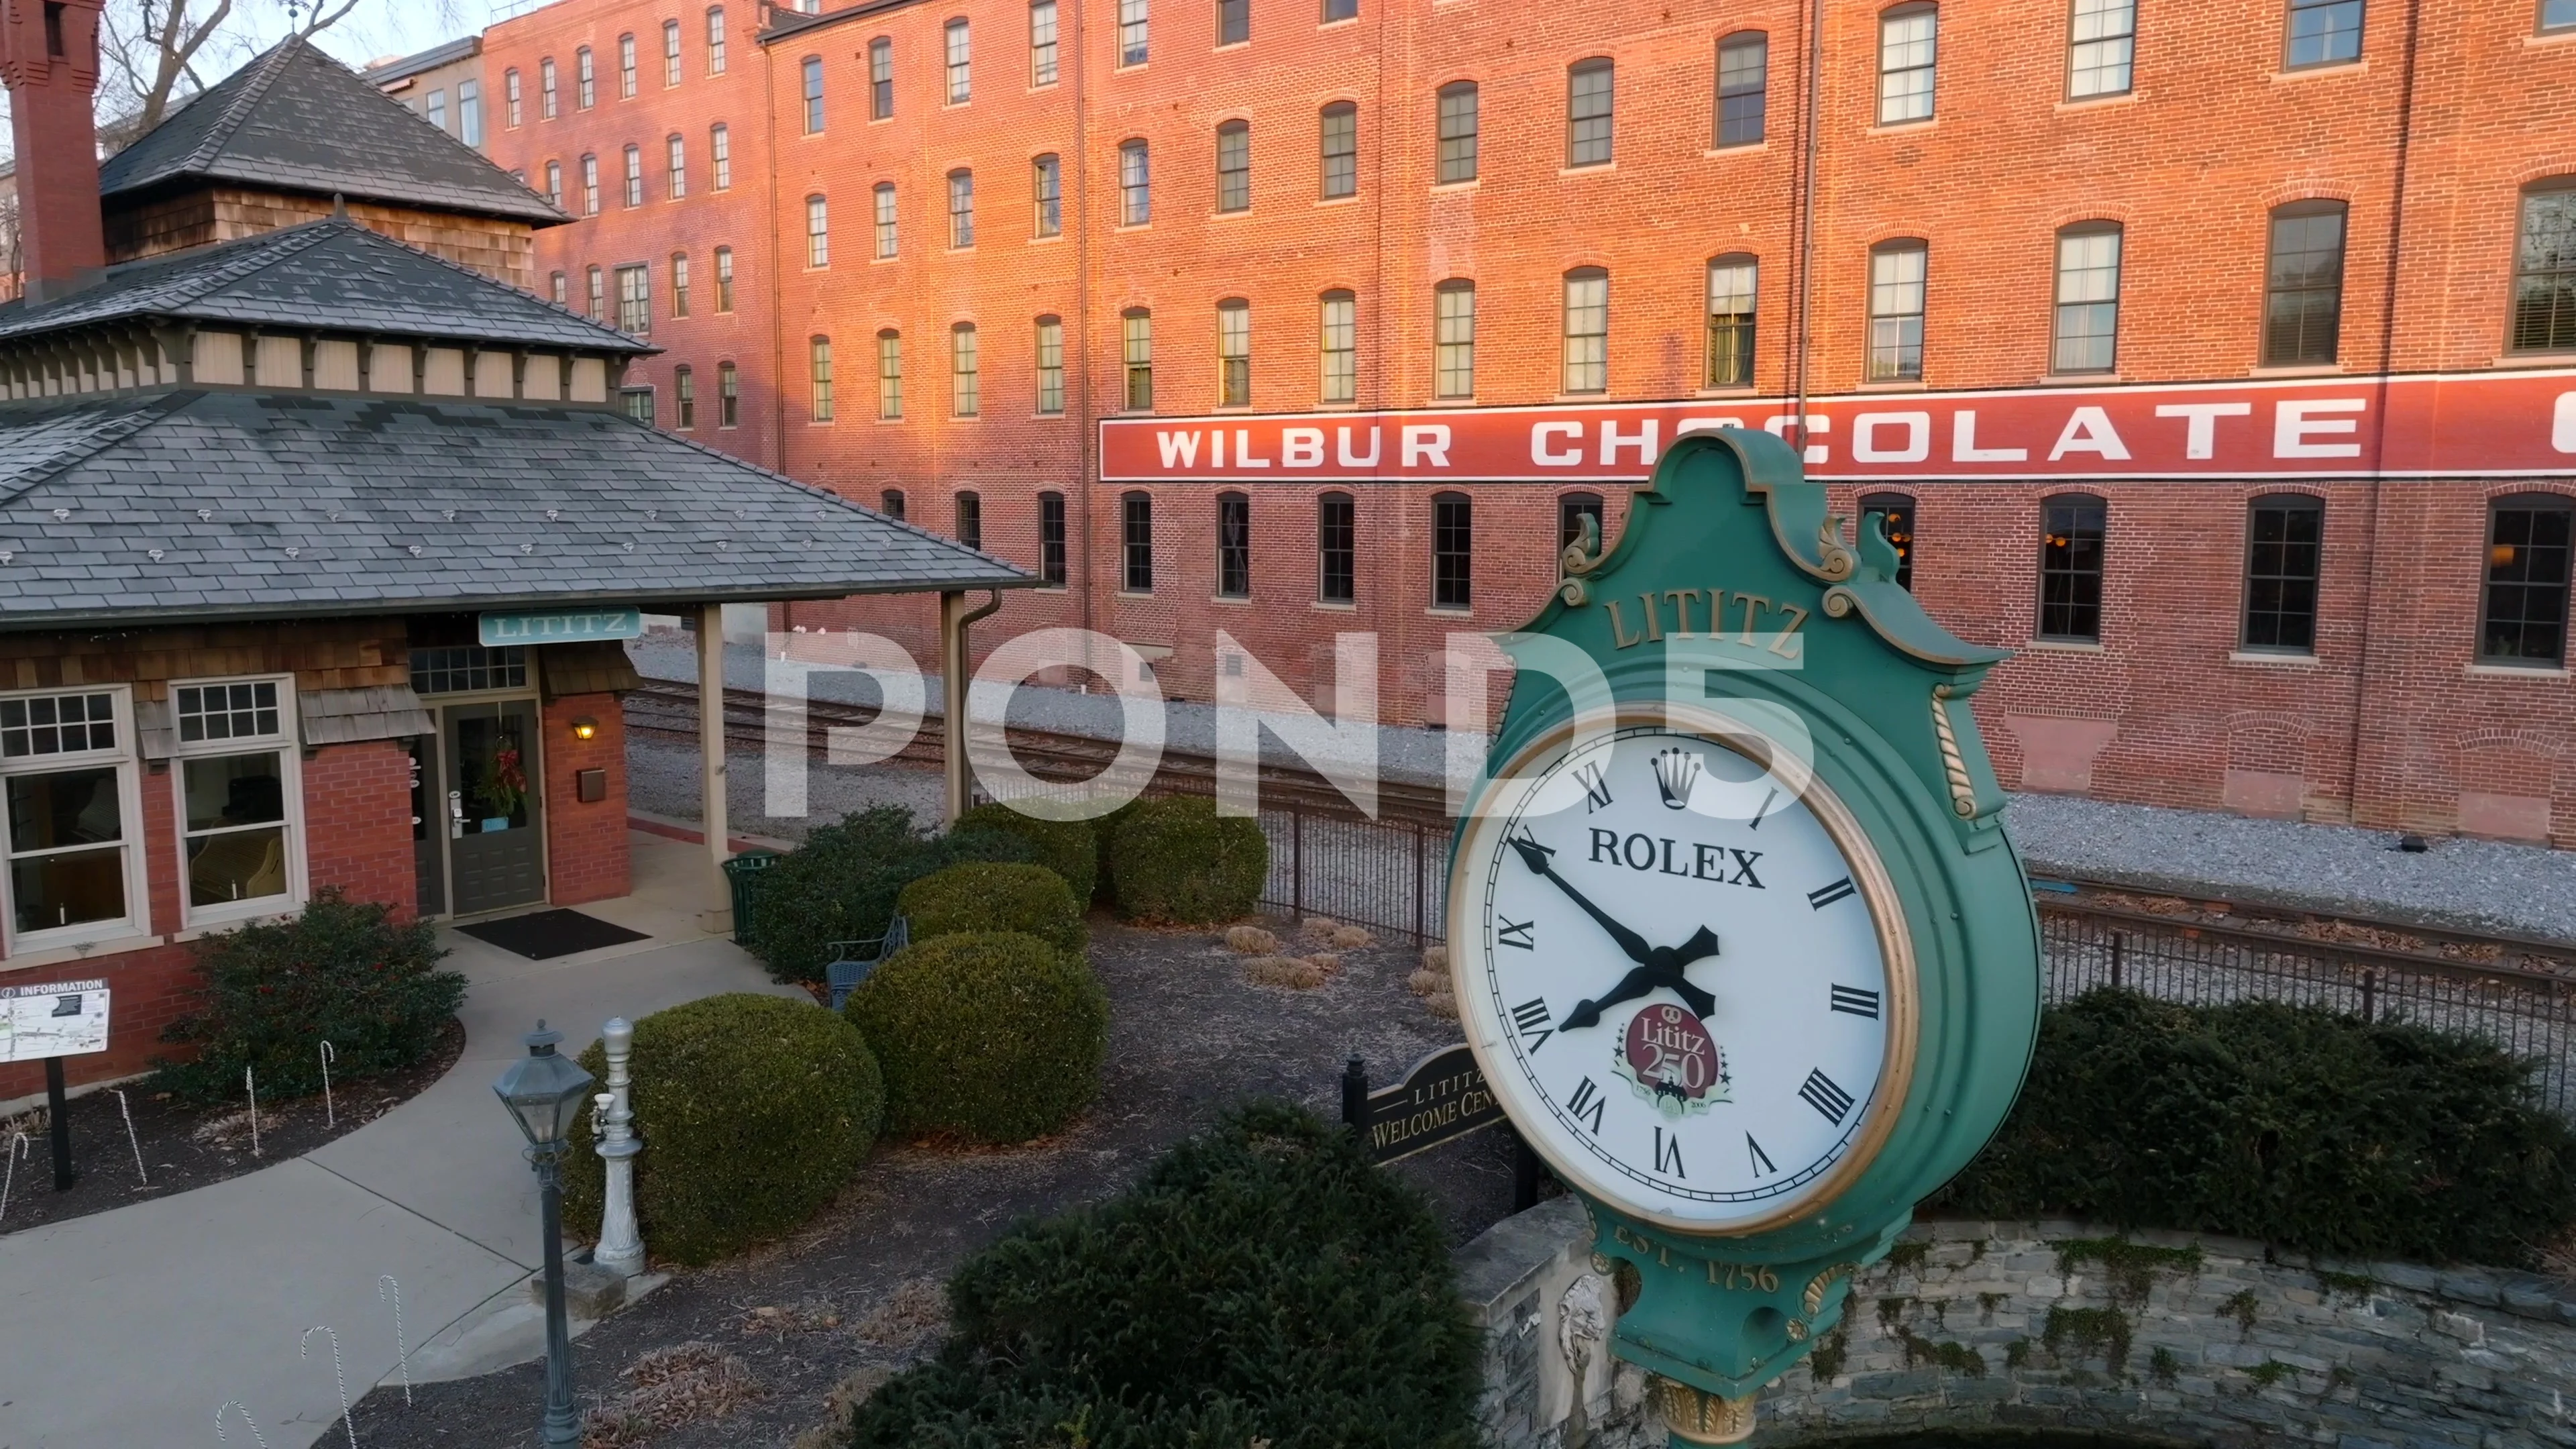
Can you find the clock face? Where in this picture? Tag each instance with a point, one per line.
(1674, 963)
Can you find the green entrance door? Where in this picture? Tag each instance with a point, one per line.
(494, 825)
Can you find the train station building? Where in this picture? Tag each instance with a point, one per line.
(318, 537)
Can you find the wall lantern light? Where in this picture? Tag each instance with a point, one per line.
(585, 728)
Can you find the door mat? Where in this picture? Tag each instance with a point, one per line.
(544, 935)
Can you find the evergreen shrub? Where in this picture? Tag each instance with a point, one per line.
(754, 1110)
(340, 971)
(1070, 848)
(990, 1036)
(1173, 859)
(1262, 1285)
(2295, 1125)
(843, 882)
(986, 896)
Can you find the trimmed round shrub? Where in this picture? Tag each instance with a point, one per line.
(1070, 848)
(339, 971)
(754, 1110)
(842, 884)
(1174, 859)
(2295, 1125)
(991, 1036)
(985, 896)
(1262, 1284)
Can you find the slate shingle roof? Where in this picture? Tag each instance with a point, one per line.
(297, 120)
(268, 505)
(330, 275)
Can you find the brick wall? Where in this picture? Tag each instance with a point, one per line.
(357, 823)
(586, 856)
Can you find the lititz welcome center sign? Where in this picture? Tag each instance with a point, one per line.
(2502, 424)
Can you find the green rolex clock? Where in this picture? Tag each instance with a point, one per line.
(1736, 934)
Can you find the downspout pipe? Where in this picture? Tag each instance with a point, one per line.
(954, 620)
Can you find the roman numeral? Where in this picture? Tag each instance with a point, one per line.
(1856, 1001)
(1761, 1159)
(1588, 1101)
(1531, 1017)
(1825, 1097)
(1765, 810)
(1529, 838)
(1517, 933)
(1668, 1155)
(1827, 895)
(1596, 789)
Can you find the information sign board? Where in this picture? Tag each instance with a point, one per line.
(54, 1019)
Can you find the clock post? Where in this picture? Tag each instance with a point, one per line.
(1782, 974)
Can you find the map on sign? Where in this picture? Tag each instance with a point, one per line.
(55, 1019)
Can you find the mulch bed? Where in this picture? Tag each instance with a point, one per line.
(185, 1147)
(759, 1349)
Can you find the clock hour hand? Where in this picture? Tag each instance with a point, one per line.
(1640, 982)
(1535, 856)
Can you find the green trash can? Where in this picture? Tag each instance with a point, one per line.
(742, 875)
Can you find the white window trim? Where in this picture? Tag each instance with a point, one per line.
(291, 783)
(129, 803)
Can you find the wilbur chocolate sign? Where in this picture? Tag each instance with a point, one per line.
(1442, 1098)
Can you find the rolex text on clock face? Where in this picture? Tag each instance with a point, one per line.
(1673, 970)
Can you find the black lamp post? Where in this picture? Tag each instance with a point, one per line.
(544, 1092)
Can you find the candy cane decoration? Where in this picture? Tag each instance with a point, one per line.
(401, 1354)
(258, 1437)
(17, 1149)
(130, 1139)
(304, 1346)
(330, 1117)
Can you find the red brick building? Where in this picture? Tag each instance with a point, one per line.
(2219, 358)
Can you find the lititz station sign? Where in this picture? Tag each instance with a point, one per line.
(2482, 425)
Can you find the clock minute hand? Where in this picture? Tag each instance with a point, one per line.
(1534, 855)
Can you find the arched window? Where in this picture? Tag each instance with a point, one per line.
(1587, 112)
(1897, 273)
(1733, 299)
(2544, 267)
(720, 156)
(1042, 43)
(724, 279)
(1134, 19)
(1046, 193)
(813, 65)
(1135, 184)
(554, 182)
(2303, 285)
(958, 48)
(715, 40)
(1340, 143)
(1571, 511)
(818, 232)
(2284, 554)
(2524, 622)
(890, 377)
(1049, 356)
(585, 79)
(820, 350)
(883, 198)
(2088, 298)
(2072, 532)
(1587, 330)
(880, 78)
(728, 395)
(890, 503)
(1894, 513)
(679, 284)
(970, 519)
(1234, 353)
(2101, 44)
(676, 159)
(1136, 347)
(1234, 166)
(561, 292)
(510, 98)
(1743, 87)
(1136, 541)
(1336, 549)
(546, 88)
(961, 208)
(1908, 46)
(1453, 347)
(1051, 539)
(1457, 132)
(626, 67)
(684, 391)
(965, 372)
(634, 180)
(590, 186)
(598, 292)
(1233, 546)
(1453, 539)
(1338, 342)
(670, 52)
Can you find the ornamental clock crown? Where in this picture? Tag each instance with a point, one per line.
(1737, 936)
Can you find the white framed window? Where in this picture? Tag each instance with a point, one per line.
(73, 815)
(234, 767)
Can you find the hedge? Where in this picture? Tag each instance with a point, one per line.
(843, 882)
(340, 971)
(2294, 1125)
(984, 896)
(1174, 859)
(1070, 848)
(990, 1036)
(1262, 1284)
(754, 1110)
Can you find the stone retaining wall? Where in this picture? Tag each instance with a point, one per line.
(2157, 1336)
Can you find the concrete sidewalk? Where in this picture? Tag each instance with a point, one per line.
(128, 1328)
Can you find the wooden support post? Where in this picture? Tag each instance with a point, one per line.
(711, 736)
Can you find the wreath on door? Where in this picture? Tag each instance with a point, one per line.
(505, 780)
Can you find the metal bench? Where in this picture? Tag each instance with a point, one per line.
(852, 961)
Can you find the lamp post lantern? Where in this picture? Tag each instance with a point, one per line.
(544, 1092)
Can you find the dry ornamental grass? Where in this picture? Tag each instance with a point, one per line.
(685, 1383)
